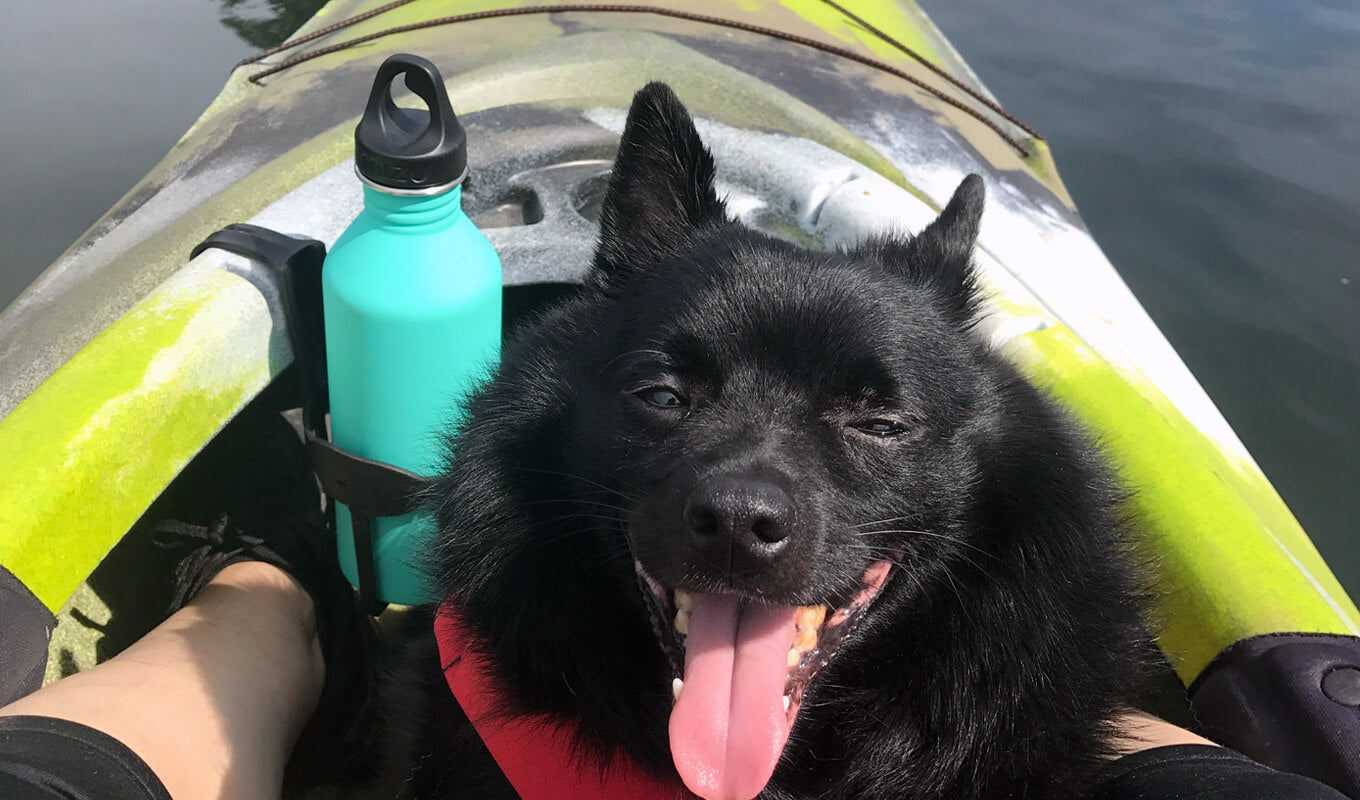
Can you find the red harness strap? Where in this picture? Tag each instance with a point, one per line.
(535, 752)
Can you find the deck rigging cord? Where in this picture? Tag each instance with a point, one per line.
(925, 62)
(666, 12)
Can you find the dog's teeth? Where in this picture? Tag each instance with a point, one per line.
(806, 640)
(811, 616)
(786, 703)
(795, 657)
(682, 622)
(677, 685)
(684, 601)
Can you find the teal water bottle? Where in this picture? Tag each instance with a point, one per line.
(412, 294)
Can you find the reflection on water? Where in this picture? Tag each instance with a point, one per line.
(100, 116)
(273, 25)
(1213, 149)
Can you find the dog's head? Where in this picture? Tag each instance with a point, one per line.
(769, 404)
(788, 426)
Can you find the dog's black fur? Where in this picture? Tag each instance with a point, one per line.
(1004, 640)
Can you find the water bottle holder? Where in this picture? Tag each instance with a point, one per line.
(368, 488)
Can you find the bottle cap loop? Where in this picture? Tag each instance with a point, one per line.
(420, 151)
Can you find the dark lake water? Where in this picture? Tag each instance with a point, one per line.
(1213, 148)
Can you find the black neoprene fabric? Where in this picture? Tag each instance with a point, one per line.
(1290, 700)
(42, 758)
(25, 625)
(1201, 772)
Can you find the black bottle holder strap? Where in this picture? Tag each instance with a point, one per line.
(370, 489)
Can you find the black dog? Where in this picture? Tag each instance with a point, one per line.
(882, 563)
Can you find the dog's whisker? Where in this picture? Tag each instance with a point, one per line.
(574, 532)
(625, 496)
(554, 521)
(958, 593)
(883, 554)
(558, 523)
(879, 522)
(578, 501)
(935, 534)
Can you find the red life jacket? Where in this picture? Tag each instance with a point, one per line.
(535, 752)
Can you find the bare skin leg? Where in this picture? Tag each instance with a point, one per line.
(1142, 731)
(215, 696)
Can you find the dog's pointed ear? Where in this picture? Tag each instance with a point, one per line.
(941, 256)
(661, 192)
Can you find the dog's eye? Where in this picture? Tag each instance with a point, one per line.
(880, 428)
(661, 397)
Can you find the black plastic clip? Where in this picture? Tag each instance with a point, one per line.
(368, 488)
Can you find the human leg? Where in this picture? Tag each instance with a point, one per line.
(214, 697)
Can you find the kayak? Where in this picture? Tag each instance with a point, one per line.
(827, 121)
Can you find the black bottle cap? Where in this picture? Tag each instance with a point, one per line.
(410, 150)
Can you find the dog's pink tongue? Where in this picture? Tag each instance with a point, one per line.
(729, 725)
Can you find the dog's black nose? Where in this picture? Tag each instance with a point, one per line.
(739, 518)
